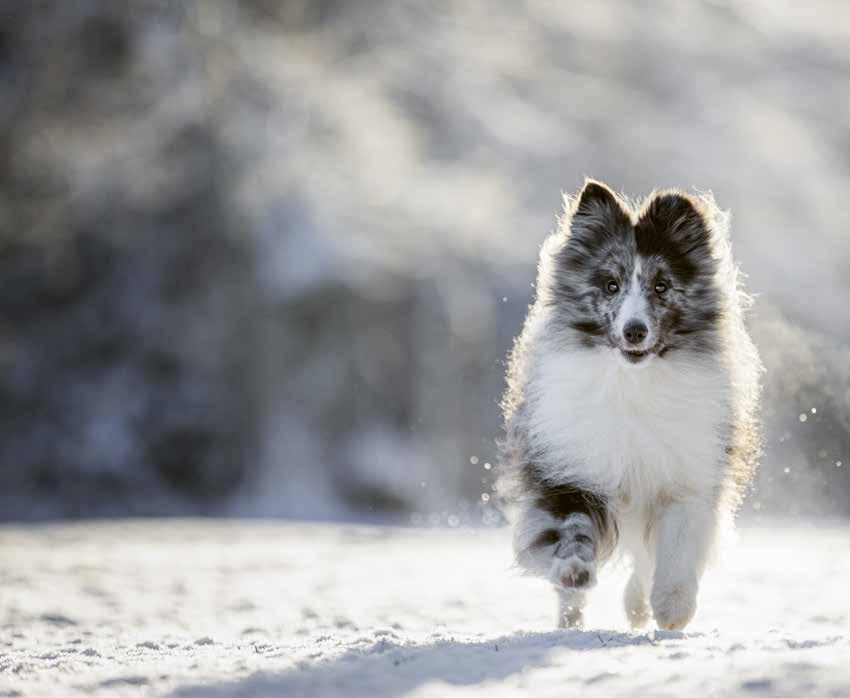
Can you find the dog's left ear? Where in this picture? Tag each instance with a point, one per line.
(597, 212)
(677, 217)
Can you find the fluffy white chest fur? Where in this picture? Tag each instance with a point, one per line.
(630, 433)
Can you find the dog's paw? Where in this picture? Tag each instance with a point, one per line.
(674, 605)
(573, 573)
(635, 603)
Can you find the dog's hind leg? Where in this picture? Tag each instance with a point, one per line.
(636, 593)
(635, 602)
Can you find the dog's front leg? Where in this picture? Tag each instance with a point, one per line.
(564, 551)
(684, 534)
(562, 535)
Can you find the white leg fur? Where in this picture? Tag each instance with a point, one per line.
(635, 602)
(636, 593)
(684, 535)
(570, 608)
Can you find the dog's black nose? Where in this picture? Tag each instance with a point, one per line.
(635, 332)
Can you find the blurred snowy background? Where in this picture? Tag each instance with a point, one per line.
(266, 258)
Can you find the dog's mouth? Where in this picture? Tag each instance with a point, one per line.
(637, 356)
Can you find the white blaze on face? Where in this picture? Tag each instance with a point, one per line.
(634, 307)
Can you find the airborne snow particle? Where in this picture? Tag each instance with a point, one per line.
(485, 497)
(814, 410)
(474, 460)
(838, 464)
(487, 466)
(787, 470)
(803, 417)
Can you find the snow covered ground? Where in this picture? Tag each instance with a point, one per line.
(191, 608)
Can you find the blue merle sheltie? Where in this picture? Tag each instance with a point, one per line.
(631, 406)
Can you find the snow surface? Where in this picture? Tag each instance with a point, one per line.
(189, 608)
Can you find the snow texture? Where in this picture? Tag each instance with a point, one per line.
(193, 608)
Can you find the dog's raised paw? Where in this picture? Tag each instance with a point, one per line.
(573, 573)
(674, 605)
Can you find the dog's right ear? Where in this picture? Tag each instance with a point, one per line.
(597, 210)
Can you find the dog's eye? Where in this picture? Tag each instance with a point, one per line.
(660, 287)
(612, 286)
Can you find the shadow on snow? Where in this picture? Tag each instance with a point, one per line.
(387, 668)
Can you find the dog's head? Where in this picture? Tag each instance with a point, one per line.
(640, 283)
